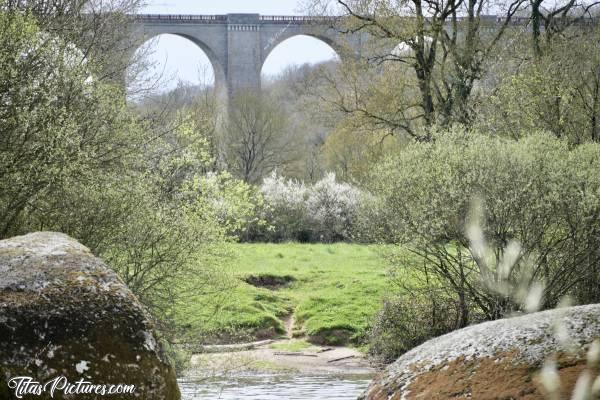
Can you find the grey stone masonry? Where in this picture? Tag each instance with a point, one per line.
(237, 45)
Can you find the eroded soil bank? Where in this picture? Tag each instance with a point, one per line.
(289, 356)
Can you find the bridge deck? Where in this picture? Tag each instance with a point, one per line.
(223, 19)
(302, 20)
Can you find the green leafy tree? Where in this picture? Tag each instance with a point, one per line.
(540, 211)
(558, 92)
(56, 120)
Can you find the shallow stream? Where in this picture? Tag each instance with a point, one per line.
(275, 386)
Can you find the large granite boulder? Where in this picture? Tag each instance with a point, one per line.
(63, 312)
(494, 360)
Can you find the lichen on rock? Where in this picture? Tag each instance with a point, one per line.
(63, 312)
(493, 360)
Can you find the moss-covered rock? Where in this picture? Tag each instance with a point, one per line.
(63, 312)
(494, 360)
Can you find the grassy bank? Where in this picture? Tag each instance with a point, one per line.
(330, 292)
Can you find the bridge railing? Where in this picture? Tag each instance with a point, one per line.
(206, 19)
(220, 19)
(298, 19)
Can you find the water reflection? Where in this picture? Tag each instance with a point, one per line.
(275, 386)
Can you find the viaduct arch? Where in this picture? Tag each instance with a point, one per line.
(237, 45)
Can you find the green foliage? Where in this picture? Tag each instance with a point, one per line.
(540, 201)
(558, 92)
(76, 159)
(334, 297)
(406, 321)
(191, 155)
(180, 358)
(235, 204)
(56, 122)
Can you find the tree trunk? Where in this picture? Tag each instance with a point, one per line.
(536, 27)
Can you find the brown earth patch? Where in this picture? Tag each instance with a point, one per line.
(269, 281)
(497, 378)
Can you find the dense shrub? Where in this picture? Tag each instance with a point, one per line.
(406, 321)
(234, 203)
(323, 212)
(332, 207)
(285, 209)
(538, 226)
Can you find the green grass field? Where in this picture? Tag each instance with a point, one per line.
(332, 291)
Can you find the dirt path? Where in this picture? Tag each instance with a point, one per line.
(284, 355)
(273, 357)
(288, 322)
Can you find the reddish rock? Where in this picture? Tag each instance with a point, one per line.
(494, 360)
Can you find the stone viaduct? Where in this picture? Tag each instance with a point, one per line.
(237, 45)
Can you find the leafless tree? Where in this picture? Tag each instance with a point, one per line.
(444, 45)
(256, 141)
(555, 17)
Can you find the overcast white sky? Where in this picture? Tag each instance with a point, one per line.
(182, 60)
